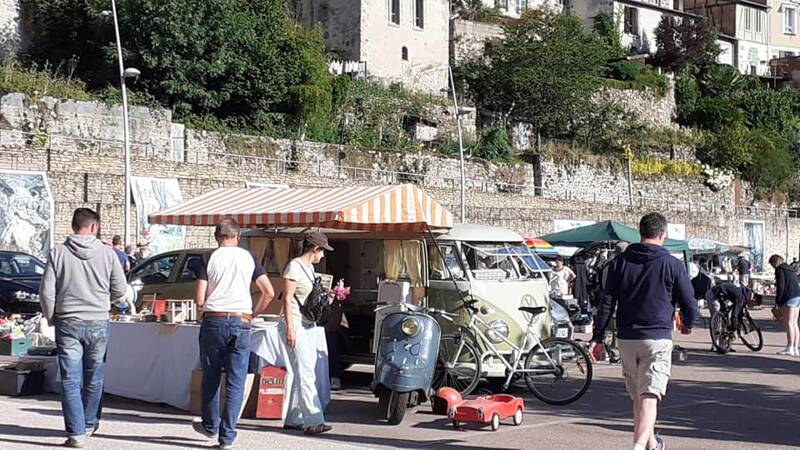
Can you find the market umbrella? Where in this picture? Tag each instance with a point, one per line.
(608, 230)
(398, 208)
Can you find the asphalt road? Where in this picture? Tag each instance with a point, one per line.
(743, 400)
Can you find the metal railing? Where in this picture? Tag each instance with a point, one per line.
(330, 169)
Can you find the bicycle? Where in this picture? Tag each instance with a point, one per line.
(722, 337)
(551, 365)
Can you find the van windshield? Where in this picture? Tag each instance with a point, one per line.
(502, 260)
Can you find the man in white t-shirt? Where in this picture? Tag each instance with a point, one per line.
(223, 291)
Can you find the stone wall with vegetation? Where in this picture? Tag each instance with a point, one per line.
(76, 144)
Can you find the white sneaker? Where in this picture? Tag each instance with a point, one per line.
(788, 351)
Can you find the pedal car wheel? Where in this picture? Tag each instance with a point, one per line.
(456, 425)
(495, 422)
(518, 417)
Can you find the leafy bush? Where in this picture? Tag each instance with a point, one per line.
(55, 82)
(728, 149)
(494, 145)
(715, 113)
(687, 93)
(685, 42)
(771, 164)
(650, 166)
(646, 78)
(623, 70)
(723, 80)
(767, 109)
(608, 29)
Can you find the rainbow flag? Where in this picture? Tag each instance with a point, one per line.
(540, 247)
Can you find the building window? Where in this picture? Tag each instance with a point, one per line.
(631, 20)
(522, 5)
(676, 5)
(748, 19)
(404, 53)
(759, 21)
(501, 4)
(394, 12)
(419, 13)
(789, 20)
(783, 54)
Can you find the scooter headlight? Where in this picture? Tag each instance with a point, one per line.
(410, 327)
(496, 329)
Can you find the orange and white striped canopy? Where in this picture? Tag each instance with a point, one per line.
(384, 208)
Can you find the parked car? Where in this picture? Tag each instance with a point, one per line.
(170, 275)
(20, 277)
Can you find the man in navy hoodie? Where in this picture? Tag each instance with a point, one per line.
(644, 285)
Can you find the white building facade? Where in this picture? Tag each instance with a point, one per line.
(784, 32)
(393, 41)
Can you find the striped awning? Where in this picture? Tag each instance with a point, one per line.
(384, 208)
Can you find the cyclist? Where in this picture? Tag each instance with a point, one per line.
(738, 295)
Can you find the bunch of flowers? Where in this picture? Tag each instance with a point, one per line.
(717, 179)
(340, 291)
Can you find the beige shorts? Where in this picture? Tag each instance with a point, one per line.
(646, 365)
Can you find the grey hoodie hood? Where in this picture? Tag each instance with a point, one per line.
(84, 246)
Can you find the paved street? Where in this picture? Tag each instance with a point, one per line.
(740, 401)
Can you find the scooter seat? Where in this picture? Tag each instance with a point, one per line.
(535, 310)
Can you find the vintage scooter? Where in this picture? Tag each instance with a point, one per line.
(405, 359)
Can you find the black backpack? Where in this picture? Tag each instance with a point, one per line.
(316, 308)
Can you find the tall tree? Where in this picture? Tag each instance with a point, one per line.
(688, 42)
(543, 71)
(241, 60)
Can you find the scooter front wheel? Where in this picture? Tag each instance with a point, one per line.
(397, 405)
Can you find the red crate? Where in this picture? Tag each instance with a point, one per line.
(271, 390)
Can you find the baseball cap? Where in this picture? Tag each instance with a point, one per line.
(318, 240)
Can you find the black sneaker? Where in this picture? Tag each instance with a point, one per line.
(318, 429)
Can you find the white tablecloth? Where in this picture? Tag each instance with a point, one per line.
(154, 362)
(269, 346)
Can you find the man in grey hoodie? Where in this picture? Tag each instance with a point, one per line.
(81, 278)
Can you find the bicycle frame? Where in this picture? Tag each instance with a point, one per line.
(475, 324)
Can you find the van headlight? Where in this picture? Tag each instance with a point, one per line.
(23, 296)
(495, 329)
(410, 327)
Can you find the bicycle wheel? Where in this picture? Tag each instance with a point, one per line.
(750, 334)
(458, 365)
(563, 380)
(719, 333)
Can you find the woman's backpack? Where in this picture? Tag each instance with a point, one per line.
(316, 309)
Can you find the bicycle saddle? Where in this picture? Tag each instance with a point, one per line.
(535, 310)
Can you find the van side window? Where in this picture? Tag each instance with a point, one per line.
(436, 267)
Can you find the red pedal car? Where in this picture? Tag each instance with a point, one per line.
(490, 409)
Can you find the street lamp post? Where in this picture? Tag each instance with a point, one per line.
(124, 73)
(460, 143)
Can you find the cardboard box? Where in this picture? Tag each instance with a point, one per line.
(15, 347)
(249, 402)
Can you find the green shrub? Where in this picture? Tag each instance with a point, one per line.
(771, 164)
(728, 149)
(624, 70)
(687, 93)
(715, 113)
(494, 145)
(767, 109)
(48, 81)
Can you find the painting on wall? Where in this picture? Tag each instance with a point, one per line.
(754, 238)
(26, 213)
(152, 195)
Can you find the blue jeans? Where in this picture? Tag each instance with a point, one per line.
(81, 348)
(224, 343)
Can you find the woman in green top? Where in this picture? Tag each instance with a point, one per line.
(305, 409)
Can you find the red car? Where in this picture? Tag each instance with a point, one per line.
(490, 409)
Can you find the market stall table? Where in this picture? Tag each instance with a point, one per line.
(154, 362)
